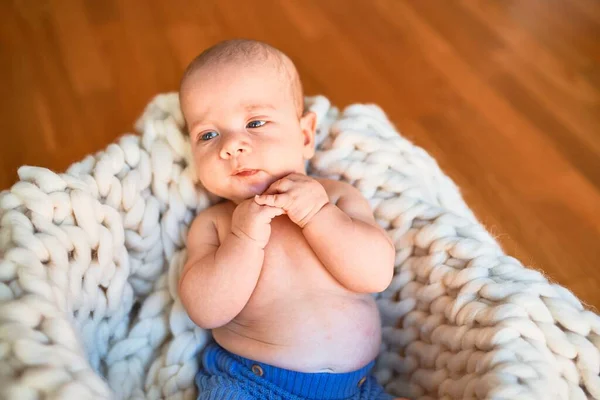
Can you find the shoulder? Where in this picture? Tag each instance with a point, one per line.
(208, 220)
(211, 213)
(338, 189)
(348, 199)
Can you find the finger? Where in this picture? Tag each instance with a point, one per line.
(297, 178)
(266, 200)
(280, 200)
(288, 183)
(271, 212)
(280, 186)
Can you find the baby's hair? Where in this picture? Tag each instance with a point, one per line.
(247, 52)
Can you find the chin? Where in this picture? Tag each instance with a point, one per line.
(240, 190)
(253, 188)
(253, 192)
(242, 195)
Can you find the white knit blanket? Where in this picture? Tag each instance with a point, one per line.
(90, 261)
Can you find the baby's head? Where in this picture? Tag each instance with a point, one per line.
(244, 108)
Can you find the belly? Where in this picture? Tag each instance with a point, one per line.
(300, 318)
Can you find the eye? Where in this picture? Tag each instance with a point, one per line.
(256, 124)
(208, 135)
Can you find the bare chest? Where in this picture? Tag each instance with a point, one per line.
(298, 308)
(287, 247)
(290, 268)
(290, 265)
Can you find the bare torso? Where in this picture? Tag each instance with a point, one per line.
(299, 317)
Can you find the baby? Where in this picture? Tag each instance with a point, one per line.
(283, 270)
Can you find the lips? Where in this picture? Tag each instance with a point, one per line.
(245, 172)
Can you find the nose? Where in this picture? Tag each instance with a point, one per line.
(233, 146)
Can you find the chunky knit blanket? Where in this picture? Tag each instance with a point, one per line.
(90, 259)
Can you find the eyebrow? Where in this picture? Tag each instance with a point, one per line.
(248, 108)
(254, 107)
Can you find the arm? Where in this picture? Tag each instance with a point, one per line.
(348, 241)
(345, 236)
(218, 278)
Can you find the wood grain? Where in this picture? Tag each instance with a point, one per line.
(505, 95)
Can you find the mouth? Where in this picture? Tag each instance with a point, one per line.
(245, 172)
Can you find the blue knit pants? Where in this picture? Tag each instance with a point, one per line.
(226, 376)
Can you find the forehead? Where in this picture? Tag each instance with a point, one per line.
(235, 88)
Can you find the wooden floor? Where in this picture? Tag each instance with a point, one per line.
(505, 94)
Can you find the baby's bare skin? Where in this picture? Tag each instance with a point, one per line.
(299, 317)
(283, 270)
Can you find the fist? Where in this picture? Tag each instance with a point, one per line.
(252, 221)
(300, 196)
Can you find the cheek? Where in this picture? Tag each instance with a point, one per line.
(199, 161)
(291, 138)
(204, 155)
(206, 168)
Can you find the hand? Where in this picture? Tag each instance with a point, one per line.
(253, 221)
(300, 196)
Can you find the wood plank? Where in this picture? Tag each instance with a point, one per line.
(584, 151)
(566, 92)
(79, 52)
(505, 95)
(505, 144)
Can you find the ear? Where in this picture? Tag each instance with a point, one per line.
(308, 126)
